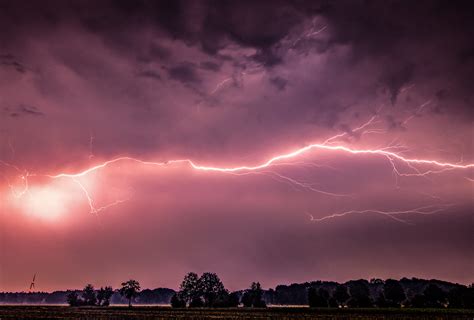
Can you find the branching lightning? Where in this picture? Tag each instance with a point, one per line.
(425, 210)
(419, 167)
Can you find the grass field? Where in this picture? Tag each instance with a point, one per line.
(119, 313)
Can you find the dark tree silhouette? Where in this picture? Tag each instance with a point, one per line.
(189, 290)
(461, 297)
(222, 300)
(381, 302)
(360, 294)
(196, 303)
(341, 295)
(418, 301)
(318, 298)
(130, 290)
(234, 300)
(73, 299)
(177, 302)
(435, 297)
(89, 296)
(210, 286)
(393, 293)
(104, 295)
(253, 297)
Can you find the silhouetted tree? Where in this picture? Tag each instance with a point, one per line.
(189, 290)
(196, 303)
(341, 295)
(381, 302)
(222, 300)
(435, 297)
(73, 299)
(332, 303)
(130, 290)
(89, 296)
(233, 300)
(393, 293)
(269, 296)
(177, 302)
(376, 281)
(461, 297)
(104, 295)
(418, 301)
(253, 297)
(360, 294)
(247, 299)
(318, 298)
(210, 286)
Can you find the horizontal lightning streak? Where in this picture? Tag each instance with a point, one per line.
(426, 210)
(388, 154)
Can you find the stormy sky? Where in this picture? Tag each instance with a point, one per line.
(226, 84)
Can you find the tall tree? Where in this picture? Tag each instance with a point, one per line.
(253, 297)
(104, 295)
(130, 290)
(89, 296)
(210, 286)
(189, 290)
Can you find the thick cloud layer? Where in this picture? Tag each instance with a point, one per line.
(230, 83)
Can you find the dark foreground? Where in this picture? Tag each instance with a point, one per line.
(63, 312)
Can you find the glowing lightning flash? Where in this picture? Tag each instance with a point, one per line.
(420, 167)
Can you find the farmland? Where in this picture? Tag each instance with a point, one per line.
(153, 312)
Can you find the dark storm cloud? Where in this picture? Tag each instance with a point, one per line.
(279, 82)
(9, 60)
(373, 29)
(30, 110)
(409, 37)
(150, 74)
(184, 72)
(25, 110)
(209, 65)
(395, 79)
(234, 83)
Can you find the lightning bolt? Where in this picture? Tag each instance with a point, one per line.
(420, 166)
(93, 209)
(391, 156)
(426, 210)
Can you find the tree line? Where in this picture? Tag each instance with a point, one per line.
(412, 293)
(101, 297)
(208, 290)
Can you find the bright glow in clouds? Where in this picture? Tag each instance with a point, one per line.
(326, 138)
(48, 201)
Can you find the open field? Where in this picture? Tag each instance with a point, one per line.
(63, 312)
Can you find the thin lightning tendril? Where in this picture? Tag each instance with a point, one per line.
(425, 210)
